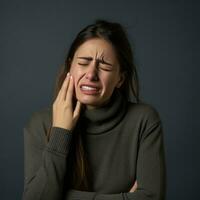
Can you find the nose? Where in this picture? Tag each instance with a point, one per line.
(92, 72)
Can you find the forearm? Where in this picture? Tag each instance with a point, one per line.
(150, 173)
(137, 195)
(47, 182)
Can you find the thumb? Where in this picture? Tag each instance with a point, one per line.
(77, 110)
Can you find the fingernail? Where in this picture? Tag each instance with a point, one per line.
(68, 74)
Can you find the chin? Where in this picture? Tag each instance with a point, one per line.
(89, 100)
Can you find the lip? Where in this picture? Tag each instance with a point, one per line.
(90, 85)
(92, 92)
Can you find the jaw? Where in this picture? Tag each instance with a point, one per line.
(92, 101)
(88, 98)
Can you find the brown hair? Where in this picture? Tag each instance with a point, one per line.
(116, 35)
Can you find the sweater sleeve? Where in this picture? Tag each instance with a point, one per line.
(44, 164)
(150, 173)
(151, 170)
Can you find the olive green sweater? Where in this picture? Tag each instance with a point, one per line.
(123, 142)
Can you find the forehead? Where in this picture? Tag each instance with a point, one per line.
(96, 47)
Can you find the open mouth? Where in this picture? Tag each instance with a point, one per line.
(87, 89)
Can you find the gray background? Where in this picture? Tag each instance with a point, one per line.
(34, 38)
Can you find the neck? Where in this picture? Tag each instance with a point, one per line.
(103, 118)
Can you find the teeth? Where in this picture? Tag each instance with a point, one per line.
(88, 88)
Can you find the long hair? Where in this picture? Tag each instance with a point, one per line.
(116, 35)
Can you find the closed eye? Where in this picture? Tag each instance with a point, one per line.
(102, 67)
(84, 64)
(105, 68)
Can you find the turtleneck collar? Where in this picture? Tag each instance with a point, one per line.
(102, 119)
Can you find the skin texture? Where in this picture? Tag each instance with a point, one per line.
(63, 114)
(94, 64)
(134, 187)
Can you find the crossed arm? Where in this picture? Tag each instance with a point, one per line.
(45, 166)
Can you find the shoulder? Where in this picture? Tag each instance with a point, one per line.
(38, 118)
(38, 124)
(142, 115)
(144, 111)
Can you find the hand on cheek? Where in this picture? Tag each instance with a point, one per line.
(65, 111)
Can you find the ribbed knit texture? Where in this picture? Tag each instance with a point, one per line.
(105, 118)
(60, 140)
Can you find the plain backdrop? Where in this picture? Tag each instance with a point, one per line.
(34, 39)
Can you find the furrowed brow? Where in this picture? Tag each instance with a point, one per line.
(104, 62)
(99, 60)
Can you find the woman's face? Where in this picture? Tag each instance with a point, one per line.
(96, 72)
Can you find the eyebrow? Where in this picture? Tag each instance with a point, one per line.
(99, 60)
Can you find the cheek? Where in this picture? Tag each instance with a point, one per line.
(108, 81)
(72, 70)
(75, 74)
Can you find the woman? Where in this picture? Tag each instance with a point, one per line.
(93, 142)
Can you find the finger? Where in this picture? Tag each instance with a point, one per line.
(135, 186)
(77, 110)
(63, 90)
(70, 91)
